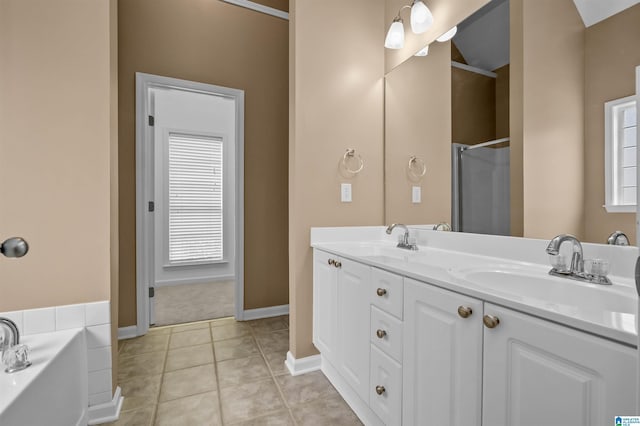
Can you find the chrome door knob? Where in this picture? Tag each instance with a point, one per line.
(14, 247)
(380, 390)
(464, 311)
(381, 292)
(490, 321)
(381, 334)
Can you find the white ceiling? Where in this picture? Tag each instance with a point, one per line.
(594, 11)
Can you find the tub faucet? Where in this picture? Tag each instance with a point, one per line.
(618, 238)
(9, 334)
(577, 266)
(404, 243)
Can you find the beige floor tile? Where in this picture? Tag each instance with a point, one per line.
(144, 344)
(282, 418)
(330, 411)
(235, 372)
(186, 382)
(250, 400)
(276, 362)
(140, 392)
(190, 338)
(266, 325)
(159, 330)
(197, 410)
(140, 417)
(277, 341)
(219, 322)
(190, 326)
(147, 364)
(239, 347)
(305, 387)
(189, 356)
(229, 331)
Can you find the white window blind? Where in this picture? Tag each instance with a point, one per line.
(621, 146)
(195, 199)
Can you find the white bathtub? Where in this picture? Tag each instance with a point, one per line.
(53, 391)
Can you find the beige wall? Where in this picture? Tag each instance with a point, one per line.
(222, 44)
(55, 150)
(446, 15)
(516, 116)
(502, 102)
(473, 106)
(611, 56)
(551, 64)
(336, 97)
(418, 122)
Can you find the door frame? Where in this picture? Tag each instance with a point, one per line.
(144, 166)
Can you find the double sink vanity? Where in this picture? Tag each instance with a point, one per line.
(472, 330)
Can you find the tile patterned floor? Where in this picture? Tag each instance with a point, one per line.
(222, 372)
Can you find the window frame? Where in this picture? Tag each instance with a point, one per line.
(613, 153)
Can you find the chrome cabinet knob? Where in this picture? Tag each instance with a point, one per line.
(381, 292)
(337, 264)
(464, 311)
(331, 262)
(490, 321)
(381, 334)
(380, 390)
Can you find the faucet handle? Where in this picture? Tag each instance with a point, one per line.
(16, 358)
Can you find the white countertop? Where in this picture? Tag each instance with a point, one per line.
(606, 311)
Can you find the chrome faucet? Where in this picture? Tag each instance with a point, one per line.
(618, 238)
(9, 334)
(404, 243)
(576, 271)
(553, 248)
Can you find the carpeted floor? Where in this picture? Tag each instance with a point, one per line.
(194, 302)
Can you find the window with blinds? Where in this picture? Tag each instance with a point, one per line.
(195, 199)
(621, 157)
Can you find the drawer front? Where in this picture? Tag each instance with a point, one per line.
(385, 398)
(386, 333)
(387, 291)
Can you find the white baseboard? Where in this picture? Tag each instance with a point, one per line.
(107, 412)
(127, 332)
(302, 365)
(271, 311)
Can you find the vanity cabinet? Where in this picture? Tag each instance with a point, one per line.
(540, 373)
(442, 356)
(405, 352)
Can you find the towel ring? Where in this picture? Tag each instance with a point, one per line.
(419, 164)
(351, 153)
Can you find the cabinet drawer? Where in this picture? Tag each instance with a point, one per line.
(386, 333)
(385, 398)
(386, 291)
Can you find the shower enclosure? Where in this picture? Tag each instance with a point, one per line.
(480, 188)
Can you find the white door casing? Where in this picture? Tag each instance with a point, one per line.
(146, 84)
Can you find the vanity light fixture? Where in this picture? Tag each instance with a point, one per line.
(448, 35)
(421, 20)
(423, 52)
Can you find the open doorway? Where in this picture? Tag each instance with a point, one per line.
(189, 211)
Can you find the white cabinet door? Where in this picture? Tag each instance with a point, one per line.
(540, 373)
(325, 304)
(442, 357)
(353, 325)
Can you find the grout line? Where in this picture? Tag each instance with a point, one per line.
(215, 369)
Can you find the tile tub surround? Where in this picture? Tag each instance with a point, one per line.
(95, 318)
(222, 372)
(443, 257)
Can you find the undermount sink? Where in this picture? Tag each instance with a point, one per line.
(554, 293)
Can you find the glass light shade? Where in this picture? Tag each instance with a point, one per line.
(395, 36)
(421, 17)
(423, 52)
(448, 35)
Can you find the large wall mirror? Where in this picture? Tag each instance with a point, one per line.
(507, 122)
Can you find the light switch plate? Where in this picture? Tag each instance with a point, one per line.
(345, 192)
(416, 194)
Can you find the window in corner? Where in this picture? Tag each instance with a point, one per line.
(620, 155)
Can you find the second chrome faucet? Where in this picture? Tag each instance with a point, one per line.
(404, 243)
(576, 270)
